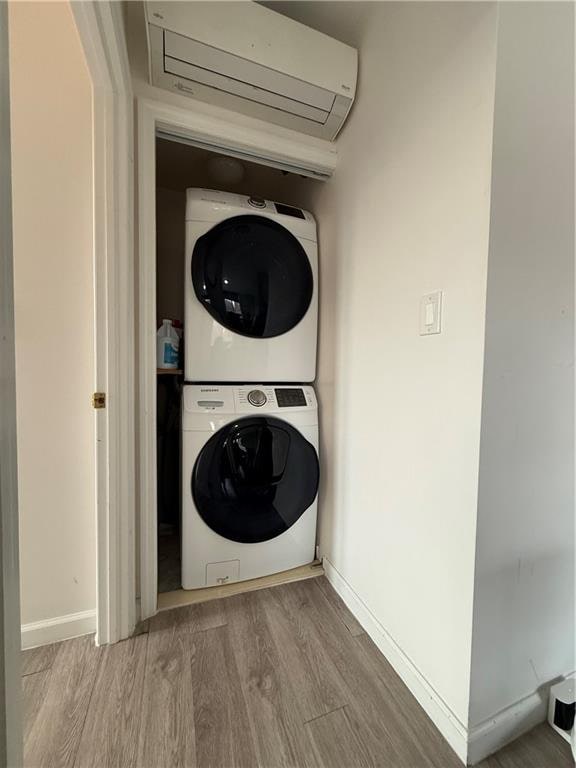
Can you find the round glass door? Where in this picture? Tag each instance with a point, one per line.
(253, 276)
(254, 479)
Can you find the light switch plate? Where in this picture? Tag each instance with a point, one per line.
(431, 313)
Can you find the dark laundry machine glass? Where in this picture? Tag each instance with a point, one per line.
(254, 479)
(253, 276)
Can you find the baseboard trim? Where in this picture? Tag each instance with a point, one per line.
(435, 707)
(507, 725)
(60, 628)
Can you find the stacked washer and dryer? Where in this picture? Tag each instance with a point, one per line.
(250, 466)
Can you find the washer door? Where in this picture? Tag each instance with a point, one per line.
(253, 276)
(254, 479)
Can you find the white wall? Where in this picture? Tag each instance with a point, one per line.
(407, 213)
(524, 599)
(52, 187)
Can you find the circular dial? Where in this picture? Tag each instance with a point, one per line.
(256, 397)
(257, 202)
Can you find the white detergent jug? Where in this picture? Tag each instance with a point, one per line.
(167, 343)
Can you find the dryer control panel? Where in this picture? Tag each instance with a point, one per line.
(209, 205)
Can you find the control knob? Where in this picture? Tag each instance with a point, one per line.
(256, 397)
(257, 202)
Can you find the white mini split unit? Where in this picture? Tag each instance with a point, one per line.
(250, 59)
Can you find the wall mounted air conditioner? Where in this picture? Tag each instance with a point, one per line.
(253, 60)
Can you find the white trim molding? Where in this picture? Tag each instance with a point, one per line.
(499, 730)
(472, 745)
(219, 131)
(101, 32)
(61, 628)
(10, 682)
(507, 725)
(147, 359)
(449, 725)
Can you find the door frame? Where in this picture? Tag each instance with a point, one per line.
(10, 680)
(126, 357)
(218, 130)
(101, 30)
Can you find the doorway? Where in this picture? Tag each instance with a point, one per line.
(180, 166)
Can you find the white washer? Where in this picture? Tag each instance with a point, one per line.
(249, 481)
(251, 290)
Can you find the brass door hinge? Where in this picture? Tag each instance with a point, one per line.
(99, 400)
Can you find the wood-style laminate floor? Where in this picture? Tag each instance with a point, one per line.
(280, 677)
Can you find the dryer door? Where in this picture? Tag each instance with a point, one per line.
(254, 479)
(253, 276)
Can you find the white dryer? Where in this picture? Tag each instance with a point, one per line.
(251, 290)
(249, 481)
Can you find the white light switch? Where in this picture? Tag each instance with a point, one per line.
(430, 313)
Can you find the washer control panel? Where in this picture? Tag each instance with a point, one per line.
(257, 397)
(290, 397)
(273, 397)
(247, 398)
